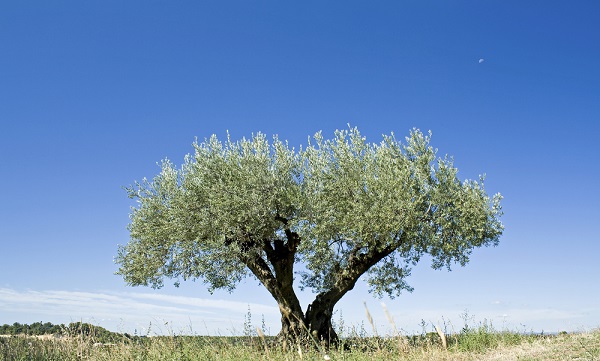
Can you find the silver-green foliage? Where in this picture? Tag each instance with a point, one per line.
(344, 198)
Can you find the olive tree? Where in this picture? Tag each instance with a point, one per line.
(324, 216)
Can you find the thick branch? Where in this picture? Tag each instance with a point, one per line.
(276, 274)
(281, 258)
(292, 237)
(259, 268)
(275, 270)
(357, 265)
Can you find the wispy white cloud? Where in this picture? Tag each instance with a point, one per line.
(127, 311)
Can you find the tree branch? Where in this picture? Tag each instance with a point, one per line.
(259, 268)
(292, 237)
(357, 265)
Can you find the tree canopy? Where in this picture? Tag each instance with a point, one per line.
(341, 208)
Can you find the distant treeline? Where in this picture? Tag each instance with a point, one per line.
(35, 329)
(72, 329)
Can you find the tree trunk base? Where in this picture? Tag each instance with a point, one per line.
(314, 330)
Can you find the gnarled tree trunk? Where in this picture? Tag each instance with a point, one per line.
(276, 273)
(293, 325)
(314, 326)
(318, 319)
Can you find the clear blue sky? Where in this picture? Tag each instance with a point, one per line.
(94, 93)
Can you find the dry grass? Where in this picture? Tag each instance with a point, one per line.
(582, 346)
(472, 343)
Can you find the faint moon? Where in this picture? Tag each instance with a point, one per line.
(481, 60)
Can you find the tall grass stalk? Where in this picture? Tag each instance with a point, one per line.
(442, 336)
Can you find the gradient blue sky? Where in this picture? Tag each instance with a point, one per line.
(94, 93)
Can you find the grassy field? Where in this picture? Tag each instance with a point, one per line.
(475, 344)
